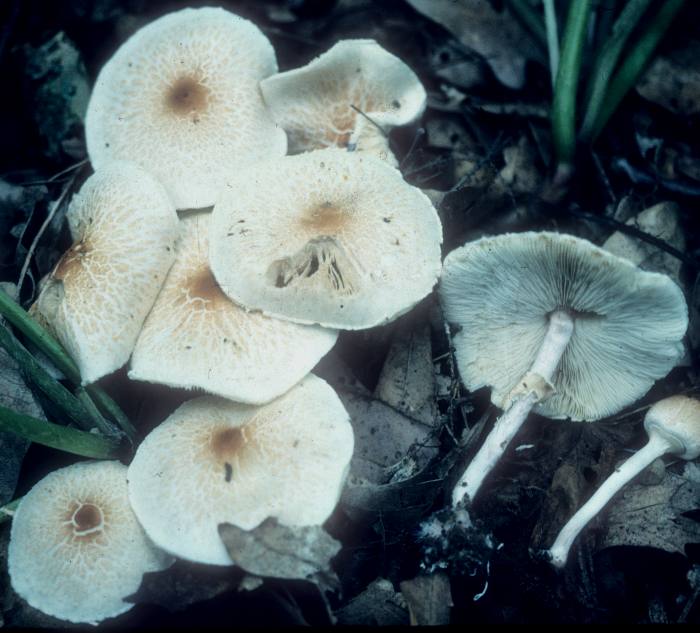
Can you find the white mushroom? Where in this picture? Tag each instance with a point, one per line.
(181, 98)
(350, 96)
(215, 461)
(553, 322)
(673, 426)
(195, 336)
(76, 549)
(327, 237)
(124, 229)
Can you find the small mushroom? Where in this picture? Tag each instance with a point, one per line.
(673, 426)
(327, 237)
(350, 96)
(97, 297)
(195, 336)
(215, 461)
(557, 324)
(181, 98)
(76, 549)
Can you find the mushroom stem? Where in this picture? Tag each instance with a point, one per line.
(561, 327)
(655, 448)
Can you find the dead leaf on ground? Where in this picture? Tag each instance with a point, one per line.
(184, 584)
(378, 605)
(429, 599)
(673, 80)
(652, 516)
(660, 221)
(497, 37)
(386, 440)
(407, 380)
(278, 551)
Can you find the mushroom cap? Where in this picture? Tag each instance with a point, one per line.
(195, 336)
(215, 461)
(314, 104)
(96, 299)
(76, 549)
(181, 98)
(328, 237)
(628, 324)
(677, 419)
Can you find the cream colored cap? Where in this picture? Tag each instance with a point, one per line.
(330, 237)
(215, 461)
(195, 336)
(76, 549)
(181, 98)
(339, 98)
(124, 230)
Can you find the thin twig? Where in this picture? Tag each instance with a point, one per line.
(639, 234)
(52, 212)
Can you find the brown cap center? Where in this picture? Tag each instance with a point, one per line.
(87, 518)
(187, 95)
(325, 218)
(227, 443)
(202, 285)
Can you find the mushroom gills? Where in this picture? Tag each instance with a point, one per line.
(322, 258)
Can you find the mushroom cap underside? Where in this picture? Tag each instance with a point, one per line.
(628, 324)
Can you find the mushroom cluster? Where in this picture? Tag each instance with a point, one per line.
(214, 261)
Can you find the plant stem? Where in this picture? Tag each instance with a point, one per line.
(64, 399)
(607, 61)
(564, 102)
(58, 356)
(655, 448)
(634, 63)
(522, 10)
(559, 331)
(550, 20)
(8, 510)
(57, 436)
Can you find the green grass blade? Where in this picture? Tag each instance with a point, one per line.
(57, 436)
(20, 319)
(607, 59)
(634, 64)
(565, 88)
(8, 510)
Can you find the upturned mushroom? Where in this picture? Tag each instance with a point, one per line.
(673, 426)
(195, 336)
(327, 237)
(76, 549)
(181, 98)
(350, 96)
(215, 461)
(97, 297)
(554, 323)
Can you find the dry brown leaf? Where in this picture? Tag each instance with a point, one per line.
(277, 551)
(673, 81)
(429, 599)
(652, 516)
(497, 37)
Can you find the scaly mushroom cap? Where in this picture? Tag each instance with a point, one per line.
(195, 336)
(328, 237)
(677, 419)
(96, 299)
(215, 461)
(76, 549)
(336, 99)
(181, 98)
(628, 324)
